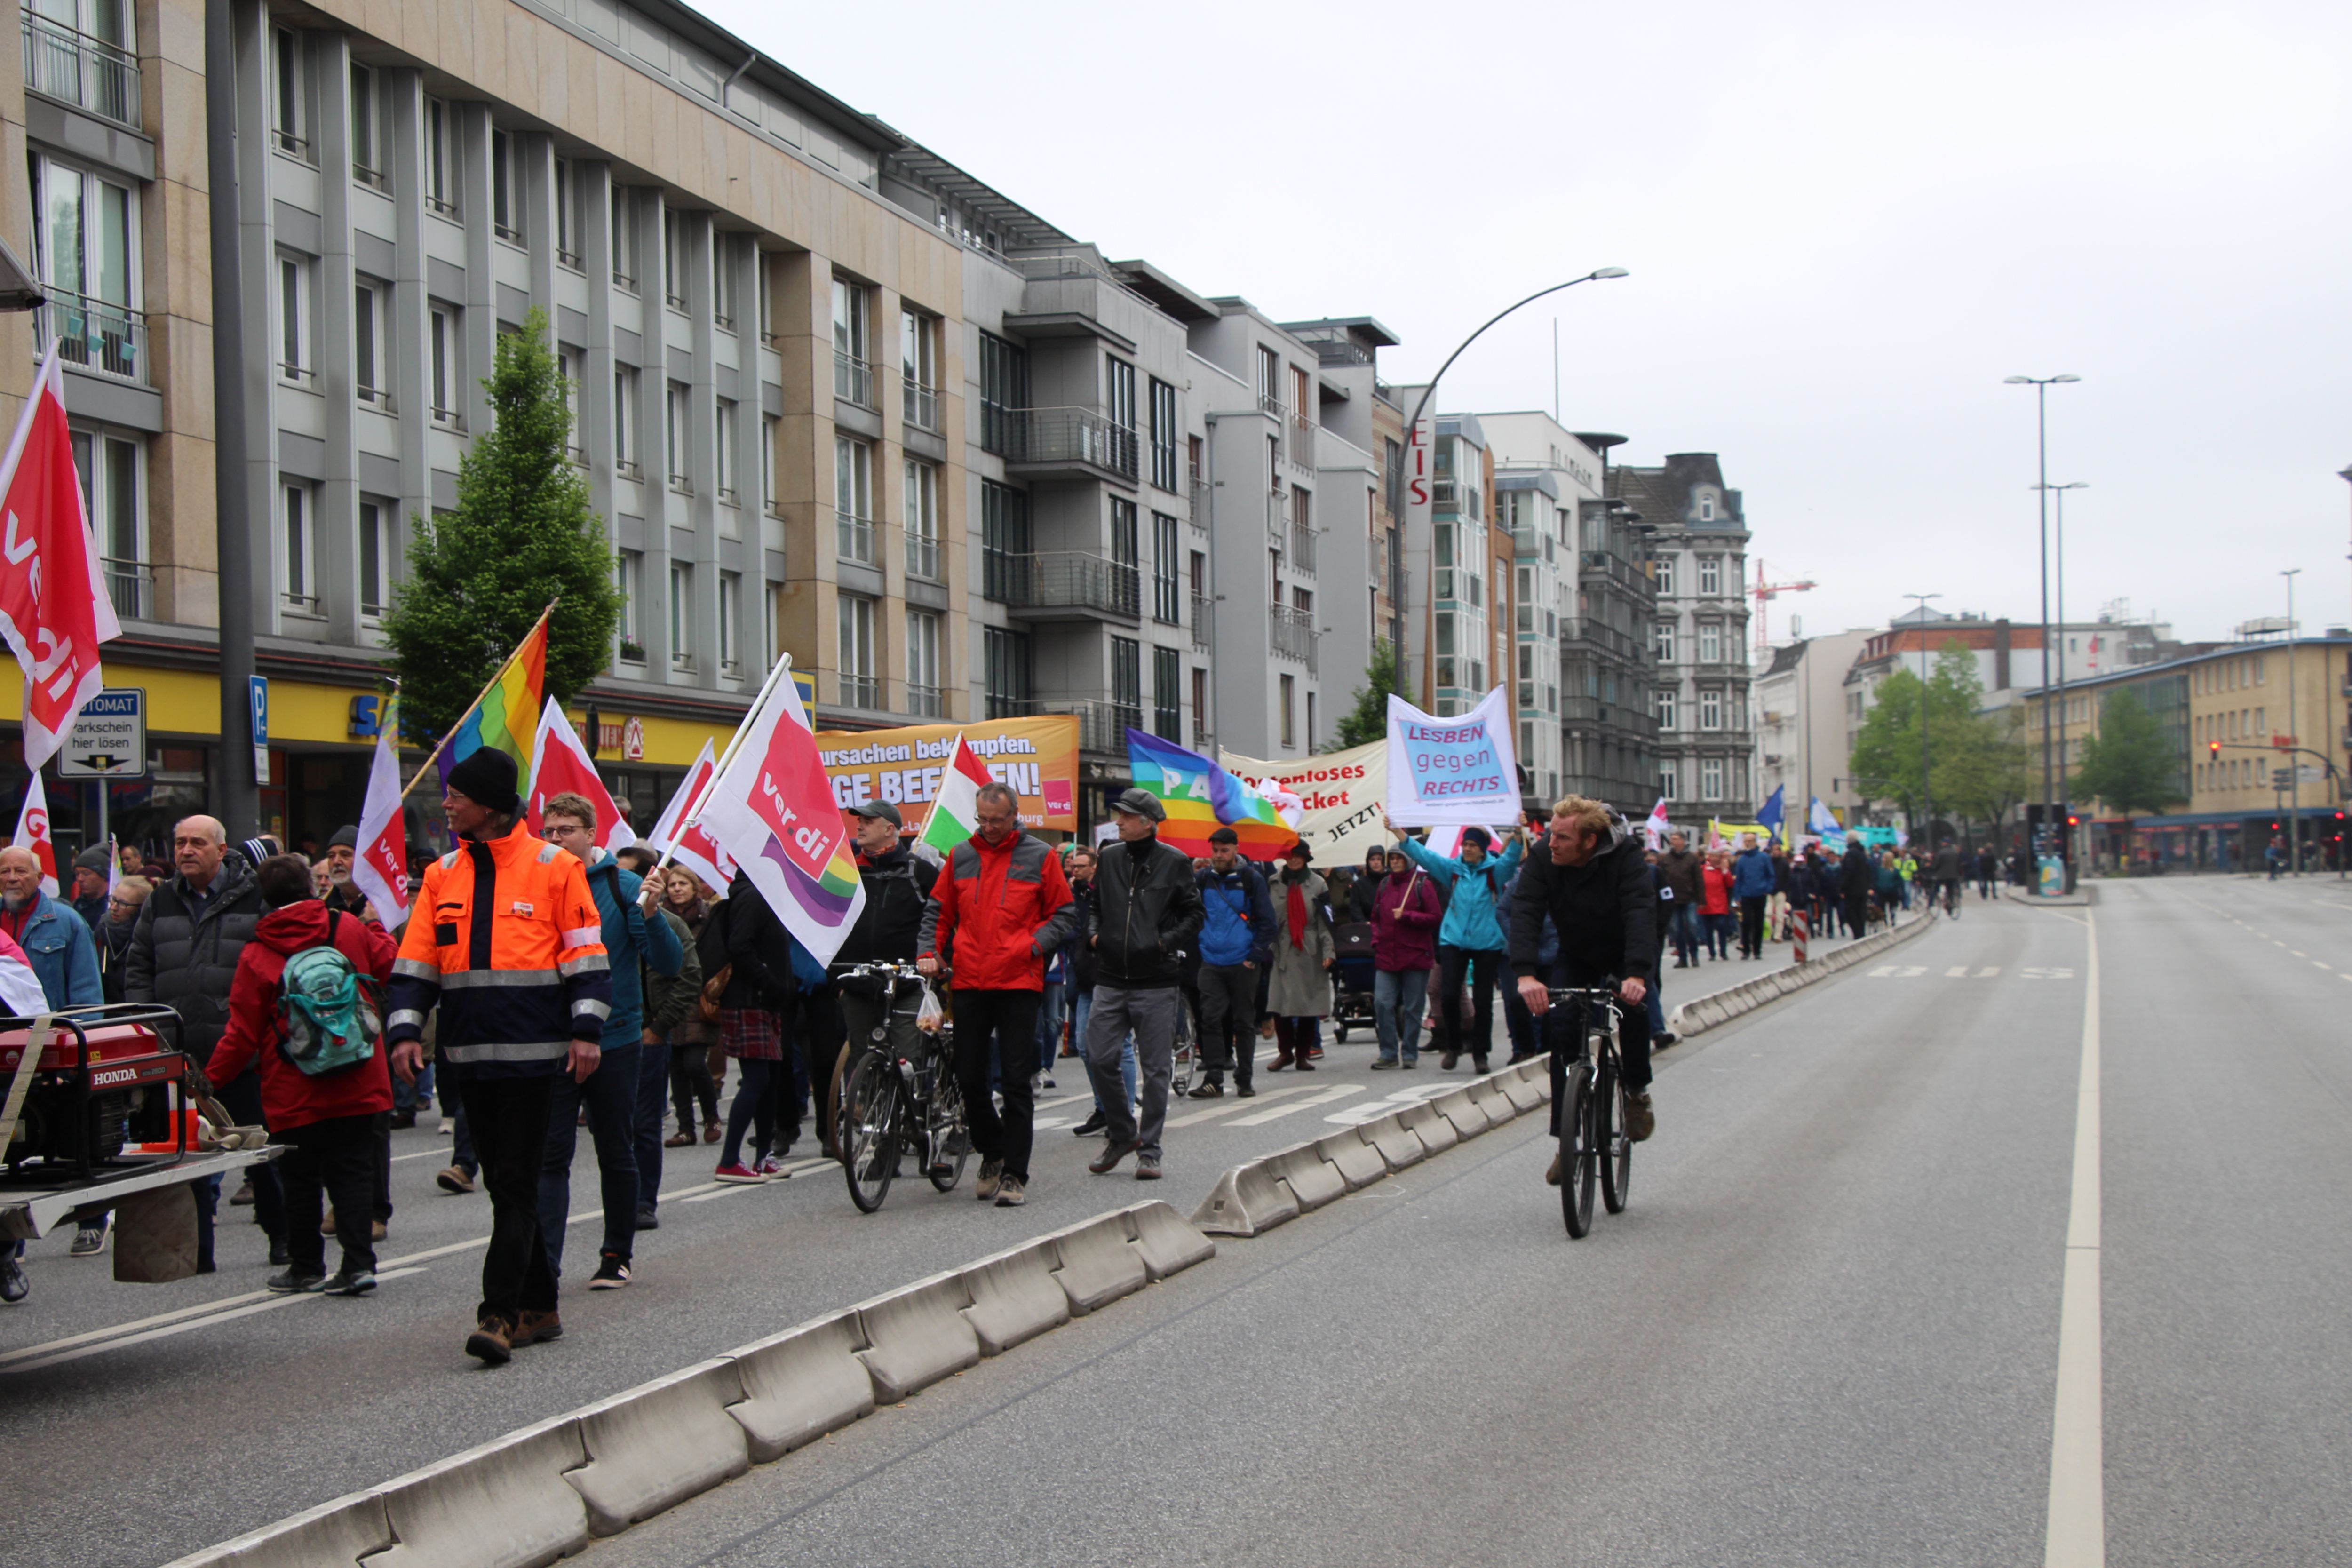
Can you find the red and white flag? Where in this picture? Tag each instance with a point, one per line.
(380, 867)
(20, 988)
(1657, 827)
(54, 609)
(559, 763)
(691, 845)
(32, 833)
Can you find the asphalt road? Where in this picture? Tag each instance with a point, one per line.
(1826, 1331)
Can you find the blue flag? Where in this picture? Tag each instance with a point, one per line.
(1771, 815)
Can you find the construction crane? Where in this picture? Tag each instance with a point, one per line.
(1766, 591)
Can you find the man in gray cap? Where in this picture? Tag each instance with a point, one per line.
(341, 892)
(1146, 915)
(90, 886)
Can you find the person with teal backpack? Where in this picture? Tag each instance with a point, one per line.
(305, 1006)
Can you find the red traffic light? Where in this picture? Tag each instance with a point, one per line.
(2073, 822)
(2213, 748)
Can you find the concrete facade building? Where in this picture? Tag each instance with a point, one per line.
(1801, 738)
(1700, 636)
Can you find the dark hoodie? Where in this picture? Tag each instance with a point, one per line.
(290, 1097)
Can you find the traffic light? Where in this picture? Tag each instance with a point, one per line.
(2073, 822)
(2213, 748)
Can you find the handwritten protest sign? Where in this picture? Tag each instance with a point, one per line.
(1458, 770)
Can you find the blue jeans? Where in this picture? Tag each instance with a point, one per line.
(653, 1091)
(414, 1097)
(1052, 1009)
(1398, 997)
(1682, 930)
(461, 1152)
(1083, 1010)
(611, 1096)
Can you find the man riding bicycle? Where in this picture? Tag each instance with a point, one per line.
(1596, 887)
(1945, 873)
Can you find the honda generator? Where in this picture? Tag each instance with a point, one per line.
(106, 1077)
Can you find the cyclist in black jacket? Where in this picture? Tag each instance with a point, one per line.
(1595, 884)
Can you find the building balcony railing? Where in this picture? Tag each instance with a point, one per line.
(1062, 580)
(1063, 438)
(1202, 629)
(1302, 547)
(923, 701)
(853, 538)
(1292, 633)
(1005, 705)
(75, 67)
(853, 379)
(1102, 726)
(859, 691)
(1608, 639)
(131, 584)
(922, 402)
(1302, 440)
(1199, 491)
(93, 335)
(1595, 564)
(1453, 496)
(923, 557)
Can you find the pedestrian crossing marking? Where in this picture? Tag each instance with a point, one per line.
(1963, 971)
(1337, 1091)
(1235, 1108)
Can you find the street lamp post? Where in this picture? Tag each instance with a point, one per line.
(1927, 809)
(2058, 565)
(2042, 385)
(2294, 769)
(1431, 390)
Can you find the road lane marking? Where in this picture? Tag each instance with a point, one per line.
(166, 1331)
(1337, 1091)
(1237, 1107)
(2078, 1535)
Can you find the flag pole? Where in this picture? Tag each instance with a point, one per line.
(693, 813)
(500, 674)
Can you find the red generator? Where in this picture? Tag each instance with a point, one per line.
(105, 1079)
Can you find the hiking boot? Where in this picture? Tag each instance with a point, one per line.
(1212, 1089)
(293, 1282)
(1091, 1126)
(1243, 1091)
(345, 1282)
(611, 1272)
(89, 1241)
(1445, 1060)
(538, 1327)
(455, 1180)
(1147, 1167)
(1639, 1123)
(1385, 1064)
(14, 1286)
(243, 1197)
(1113, 1153)
(992, 1179)
(1559, 1169)
(492, 1340)
(1011, 1193)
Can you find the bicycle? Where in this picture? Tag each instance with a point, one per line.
(901, 1092)
(1593, 1142)
(1184, 1060)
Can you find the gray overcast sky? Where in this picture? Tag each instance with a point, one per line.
(1846, 224)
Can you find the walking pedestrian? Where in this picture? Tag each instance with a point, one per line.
(1857, 877)
(1146, 916)
(1298, 983)
(693, 1036)
(1714, 903)
(1752, 881)
(1079, 959)
(1471, 943)
(999, 907)
(89, 893)
(1238, 928)
(113, 934)
(507, 945)
(761, 993)
(1405, 919)
(669, 1001)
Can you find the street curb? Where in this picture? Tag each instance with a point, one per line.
(1258, 1195)
(543, 1492)
(1701, 1014)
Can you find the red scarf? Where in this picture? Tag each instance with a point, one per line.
(1297, 909)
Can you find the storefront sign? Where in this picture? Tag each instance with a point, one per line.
(632, 740)
(367, 717)
(109, 738)
(258, 692)
(1037, 757)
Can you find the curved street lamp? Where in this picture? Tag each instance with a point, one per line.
(1431, 390)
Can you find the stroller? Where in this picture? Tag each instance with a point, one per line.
(1352, 977)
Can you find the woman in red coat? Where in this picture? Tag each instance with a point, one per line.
(1406, 913)
(1714, 904)
(328, 1123)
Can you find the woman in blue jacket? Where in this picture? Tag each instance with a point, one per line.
(1471, 942)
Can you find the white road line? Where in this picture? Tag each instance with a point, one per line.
(1065, 1099)
(2077, 1536)
(1337, 1091)
(420, 1154)
(166, 1333)
(1236, 1107)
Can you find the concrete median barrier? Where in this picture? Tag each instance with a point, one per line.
(1524, 1096)
(659, 1444)
(1428, 1124)
(1099, 1263)
(917, 1335)
(1312, 1180)
(1394, 1142)
(1718, 1007)
(1359, 1164)
(1469, 1118)
(802, 1384)
(503, 1505)
(1015, 1297)
(1487, 1094)
(1165, 1243)
(339, 1533)
(1246, 1201)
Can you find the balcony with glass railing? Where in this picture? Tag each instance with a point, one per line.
(853, 538)
(853, 379)
(95, 335)
(923, 557)
(1103, 726)
(74, 67)
(922, 405)
(1292, 633)
(1302, 547)
(1063, 585)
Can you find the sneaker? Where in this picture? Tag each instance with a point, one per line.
(293, 1282)
(1091, 1126)
(1445, 1060)
(346, 1283)
(1660, 1041)
(1011, 1193)
(1243, 1091)
(1411, 1063)
(1113, 1153)
(280, 1255)
(492, 1340)
(1211, 1090)
(538, 1327)
(1385, 1064)
(738, 1173)
(89, 1241)
(611, 1272)
(771, 1166)
(646, 1218)
(681, 1139)
(453, 1179)
(1639, 1123)
(1147, 1167)
(992, 1178)
(14, 1286)
(243, 1197)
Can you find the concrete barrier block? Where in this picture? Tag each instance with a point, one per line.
(1165, 1242)
(1015, 1297)
(1359, 1164)
(1396, 1143)
(1246, 1200)
(503, 1505)
(1538, 1071)
(1522, 1093)
(1312, 1180)
(802, 1384)
(1424, 1122)
(1487, 1094)
(656, 1445)
(917, 1335)
(1469, 1118)
(1099, 1265)
(339, 1533)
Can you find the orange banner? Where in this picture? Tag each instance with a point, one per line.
(1037, 757)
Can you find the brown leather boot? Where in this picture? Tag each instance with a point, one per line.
(537, 1328)
(492, 1340)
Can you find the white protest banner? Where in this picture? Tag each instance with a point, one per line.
(1461, 770)
(1340, 797)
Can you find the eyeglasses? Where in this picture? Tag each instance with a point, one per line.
(123, 903)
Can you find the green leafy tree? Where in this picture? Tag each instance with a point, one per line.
(2130, 766)
(1368, 721)
(1976, 765)
(521, 535)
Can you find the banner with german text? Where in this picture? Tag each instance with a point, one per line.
(1038, 758)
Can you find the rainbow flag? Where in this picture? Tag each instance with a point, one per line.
(1201, 797)
(506, 716)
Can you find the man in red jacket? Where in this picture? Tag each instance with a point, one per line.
(328, 1123)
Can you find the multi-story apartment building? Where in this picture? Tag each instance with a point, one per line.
(1465, 649)
(1801, 737)
(1699, 542)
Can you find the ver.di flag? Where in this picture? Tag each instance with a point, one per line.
(955, 814)
(54, 608)
(380, 863)
(685, 840)
(559, 763)
(33, 833)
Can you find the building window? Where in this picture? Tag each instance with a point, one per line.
(1163, 435)
(375, 555)
(674, 269)
(289, 95)
(1710, 576)
(678, 436)
(1662, 704)
(1666, 787)
(113, 485)
(298, 580)
(1127, 680)
(1004, 542)
(1006, 677)
(1664, 642)
(567, 214)
(681, 614)
(624, 243)
(82, 52)
(629, 580)
(1119, 384)
(920, 501)
(625, 460)
(853, 499)
(923, 664)
(86, 242)
(852, 354)
(1200, 707)
(1706, 507)
(1003, 395)
(1710, 779)
(858, 686)
(1167, 583)
(446, 342)
(1710, 643)
(440, 158)
(1662, 573)
(1289, 685)
(731, 621)
(371, 367)
(919, 369)
(1710, 710)
(294, 348)
(771, 427)
(505, 185)
(724, 430)
(1269, 380)
(722, 281)
(367, 131)
(1167, 694)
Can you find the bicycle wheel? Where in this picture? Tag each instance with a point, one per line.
(1185, 1059)
(949, 1141)
(1576, 1152)
(869, 1144)
(1616, 1147)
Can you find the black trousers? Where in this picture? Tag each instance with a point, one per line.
(689, 1081)
(1228, 1020)
(1752, 925)
(1564, 1032)
(507, 1119)
(1484, 966)
(337, 1159)
(988, 1023)
(1857, 914)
